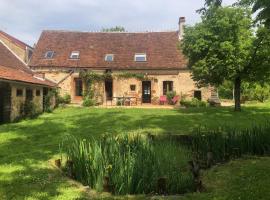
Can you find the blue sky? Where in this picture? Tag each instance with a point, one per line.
(25, 19)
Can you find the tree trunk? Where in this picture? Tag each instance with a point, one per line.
(237, 94)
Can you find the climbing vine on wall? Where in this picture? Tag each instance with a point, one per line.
(89, 78)
(127, 75)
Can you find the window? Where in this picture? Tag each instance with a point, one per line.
(75, 55)
(19, 93)
(37, 93)
(78, 87)
(167, 87)
(198, 94)
(132, 87)
(140, 57)
(49, 54)
(109, 57)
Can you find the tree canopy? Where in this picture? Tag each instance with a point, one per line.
(225, 46)
(114, 29)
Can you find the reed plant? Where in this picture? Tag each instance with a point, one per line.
(129, 164)
(229, 143)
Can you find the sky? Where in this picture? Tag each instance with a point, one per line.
(25, 19)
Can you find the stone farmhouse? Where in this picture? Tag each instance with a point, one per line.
(62, 55)
(18, 84)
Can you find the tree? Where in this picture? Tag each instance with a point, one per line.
(114, 29)
(260, 6)
(223, 47)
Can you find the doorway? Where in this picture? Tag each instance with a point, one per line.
(146, 91)
(29, 95)
(198, 94)
(5, 102)
(109, 90)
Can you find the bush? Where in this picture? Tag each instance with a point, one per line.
(30, 109)
(48, 100)
(66, 99)
(259, 92)
(225, 91)
(170, 95)
(88, 102)
(131, 164)
(193, 103)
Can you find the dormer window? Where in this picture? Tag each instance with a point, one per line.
(140, 57)
(109, 57)
(49, 54)
(75, 55)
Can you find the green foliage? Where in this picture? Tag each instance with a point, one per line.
(192, 103)
(170, 95)
(53, 93)
(90, 78)
(224, 47)
(225, 91)
(66, 99)
(256, 91)
(261, 8)
(133, 164)
(232, 143)
(218, 48)
(114, 29)
(27, 110)
(127, 75)
(87, 102)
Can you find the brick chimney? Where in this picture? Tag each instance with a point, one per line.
(181, 24)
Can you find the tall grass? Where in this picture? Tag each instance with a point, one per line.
(231, 143)
(132, 163)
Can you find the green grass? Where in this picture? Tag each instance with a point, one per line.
(27, 146)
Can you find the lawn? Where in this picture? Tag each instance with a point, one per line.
(26, 147)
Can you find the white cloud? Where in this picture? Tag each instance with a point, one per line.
(25, 19)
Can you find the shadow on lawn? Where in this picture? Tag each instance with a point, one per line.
(24, 168)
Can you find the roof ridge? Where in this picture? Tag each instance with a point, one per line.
(14, 54)
(17, 41)
(110, 32)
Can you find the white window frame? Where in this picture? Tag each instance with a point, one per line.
(140, 55)
(74, 55)
(107, 55)
(46, 54)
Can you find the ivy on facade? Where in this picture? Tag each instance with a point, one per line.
(90, 78)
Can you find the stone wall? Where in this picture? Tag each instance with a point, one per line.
(183, 84)
(17, 102)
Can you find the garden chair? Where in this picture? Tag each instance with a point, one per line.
(175, 99)
(162, 100)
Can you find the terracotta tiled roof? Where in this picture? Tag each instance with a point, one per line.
(11, 74)
(13, 69)
(14, 40)
(160, 47)
(8, 59)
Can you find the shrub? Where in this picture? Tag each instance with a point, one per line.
(88, 102)
(30, 109)
(132, 164)
(259, 92)
(48, 100)
(193, 103)
(66, 99)
(170, 95)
